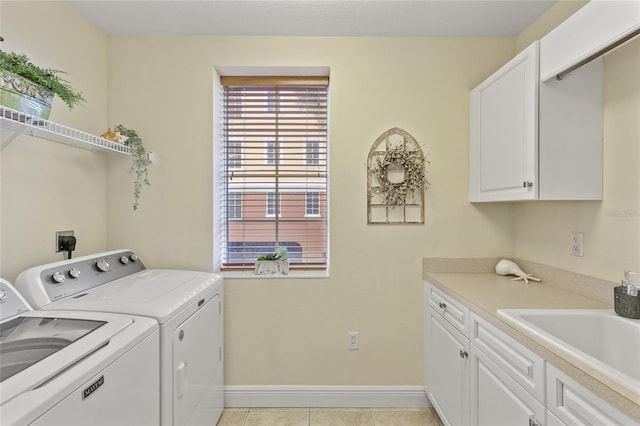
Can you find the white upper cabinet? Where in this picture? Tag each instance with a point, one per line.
(533, 140)
(536, 125)
(504, 132)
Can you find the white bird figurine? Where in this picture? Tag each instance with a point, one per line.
(507, 267)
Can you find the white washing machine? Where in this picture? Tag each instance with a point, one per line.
(188, 305)
(76, 368)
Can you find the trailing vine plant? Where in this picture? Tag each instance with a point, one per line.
(139, 162)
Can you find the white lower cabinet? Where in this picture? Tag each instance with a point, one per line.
(573, 404)
(507, 380)
(447, 370)
(553, 420)
(475, 374)
(496, 399)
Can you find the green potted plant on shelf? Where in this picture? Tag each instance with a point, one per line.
(273, 263)
(29, 88)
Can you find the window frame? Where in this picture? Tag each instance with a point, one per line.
(312, 152)
(270, 204)
(314, 204)
(299, 155)
(270, 149)
(235, 205)
(237, 145)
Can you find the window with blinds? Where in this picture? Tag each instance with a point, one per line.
(274, 168)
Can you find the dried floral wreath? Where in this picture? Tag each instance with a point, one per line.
(414, 175)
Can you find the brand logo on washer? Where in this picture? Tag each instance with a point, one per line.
(93, 387)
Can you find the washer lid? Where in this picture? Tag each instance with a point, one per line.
(155, 293)
(25, 341)
(51, 343)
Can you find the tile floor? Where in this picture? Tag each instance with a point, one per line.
(329, 417)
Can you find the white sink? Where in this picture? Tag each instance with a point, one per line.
(600, 339)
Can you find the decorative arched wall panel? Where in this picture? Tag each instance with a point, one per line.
(396, 179)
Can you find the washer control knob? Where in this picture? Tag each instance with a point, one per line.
(74, 273)
(57, 277)
(102, 265)
(133, 257)
(124, 260)
(3, 295)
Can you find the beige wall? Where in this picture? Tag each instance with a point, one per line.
(557, 13)
(294, 331)
(47, 187)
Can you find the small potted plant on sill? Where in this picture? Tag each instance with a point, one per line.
(273, 263)
(28, 88)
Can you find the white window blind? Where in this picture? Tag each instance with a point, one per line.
(274, 160)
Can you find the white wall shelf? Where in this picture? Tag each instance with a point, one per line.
(14, 123)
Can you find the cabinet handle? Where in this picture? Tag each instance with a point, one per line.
(527, 184)
(465, 354)
(442, 305)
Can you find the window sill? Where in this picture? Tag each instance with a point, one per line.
(292, 275)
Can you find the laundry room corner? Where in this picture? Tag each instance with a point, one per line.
(45, 186)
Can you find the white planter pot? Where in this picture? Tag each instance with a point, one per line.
(272, 267)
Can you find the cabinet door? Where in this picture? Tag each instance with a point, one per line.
(573, 404)
(496, 399)
(446, 370)
(553, 420)
(503, 136)
(523, 366)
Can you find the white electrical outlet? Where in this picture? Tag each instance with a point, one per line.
(353, 340)
(577, 244)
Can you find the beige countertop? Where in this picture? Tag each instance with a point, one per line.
(485, 293)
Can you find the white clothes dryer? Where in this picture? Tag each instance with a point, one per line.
(76, 368)
(188, 305)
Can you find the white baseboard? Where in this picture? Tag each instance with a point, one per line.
(325, 396)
